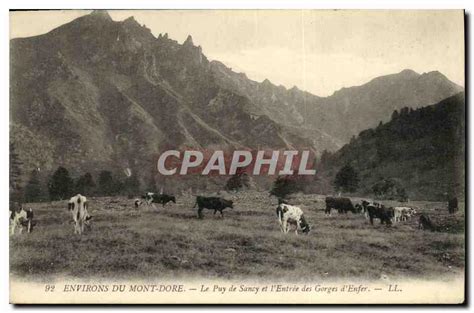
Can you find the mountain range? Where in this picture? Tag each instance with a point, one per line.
(97, 93)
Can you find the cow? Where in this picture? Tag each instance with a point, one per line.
(20, 219)
(212, 203)
(137, 203)
(282, 200)
(402, 213)
(381, 212)
(151, 198)
(78, 205)
(342, 205)
(365, 204)
(424, 222)
(452, 205)
(289, 214)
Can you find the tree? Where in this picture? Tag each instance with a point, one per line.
(151, 183)
(60, 185)
(106, 183)
(395, 115)
(15, 175)
(131, 185)
(284, 186)
(390, 189)
(85, 184)
(238, 181)
(347, 179)
(33, 191)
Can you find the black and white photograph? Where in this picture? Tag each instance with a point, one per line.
(237, 156)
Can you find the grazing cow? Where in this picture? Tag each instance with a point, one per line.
(137, 203)
(151, 198)
(424, 222)
(358, 208)
(402, 213)
(365, 204)
(342, 205)
(20, 219)
(452, 205)
(381, 212)
(212, 203)
(78, 206)
(289, 214)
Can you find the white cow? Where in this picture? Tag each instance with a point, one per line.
(78, 207)
(289, 214)
(402, 213)
(21, 218)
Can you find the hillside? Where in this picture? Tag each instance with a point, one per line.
(424, 149)
(95, 94)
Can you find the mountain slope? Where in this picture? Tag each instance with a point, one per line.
(422, 148)
(104, 94)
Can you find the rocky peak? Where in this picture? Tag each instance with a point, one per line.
(266, 83)
(131, 21)
(101, 14)
(188, 42)
(294, 89)
(408, 73)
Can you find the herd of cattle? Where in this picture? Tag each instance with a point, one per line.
(288, 215)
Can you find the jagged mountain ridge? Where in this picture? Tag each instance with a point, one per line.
(100, 93)
(357, 108)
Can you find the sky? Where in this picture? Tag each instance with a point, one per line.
(320, 51)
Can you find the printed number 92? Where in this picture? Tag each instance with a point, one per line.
(49, 288)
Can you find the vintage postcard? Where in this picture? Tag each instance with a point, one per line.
(237, 156)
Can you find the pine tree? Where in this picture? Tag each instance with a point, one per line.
(238, 181)
(33, 190)
(151, 183)
(132, 185)
(85, 184)
(284, 186)
(106, 183)
(60, 185)
(395, 115)
(347, 179)
(16, 194)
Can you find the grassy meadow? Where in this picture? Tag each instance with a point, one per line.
(172, 242)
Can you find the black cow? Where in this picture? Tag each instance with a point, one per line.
(453, 205)
(381, 212)
(424, 222)
(342, 205)
(365, 204)
(212, 203)
(159, 198)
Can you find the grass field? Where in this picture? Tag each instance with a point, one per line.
(172, 242)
